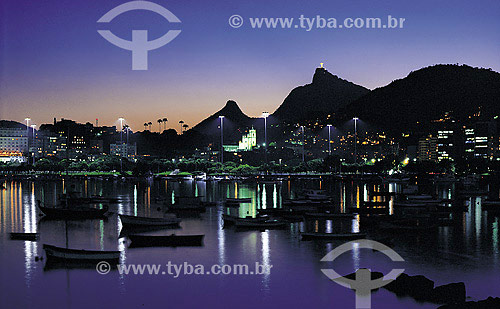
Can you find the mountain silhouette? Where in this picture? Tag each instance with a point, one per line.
(426, 94)
(325, 95)
(235, 122)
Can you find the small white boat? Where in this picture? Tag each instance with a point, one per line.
(200, 176)
(316, 195)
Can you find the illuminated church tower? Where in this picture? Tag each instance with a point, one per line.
(248, 141)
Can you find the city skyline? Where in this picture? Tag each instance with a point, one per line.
(76, 74)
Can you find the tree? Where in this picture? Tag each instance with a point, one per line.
(145, 126)
(165, 122)
(159, 125)
(181, 122)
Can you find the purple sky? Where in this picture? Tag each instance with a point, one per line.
(53, 63)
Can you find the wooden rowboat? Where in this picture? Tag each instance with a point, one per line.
(166, 241)
(238, 200)
(74, 213)
(229, 220)
(268, 224)
(135, 221)
(58, 253)
(327, 215)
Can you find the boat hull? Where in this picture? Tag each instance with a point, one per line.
(74, 213)
(311, 215)
(134, 221)
(25, 236)
(166, 241)
(260, 225)
(58, 253)
(310, 236)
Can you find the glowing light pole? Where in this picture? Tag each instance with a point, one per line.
(221, 139)
(355, 139)
(265, 115)
(121, 129)
(329, 140)
(33, 126)
(303, 144)
(28, 132)
(121, 143)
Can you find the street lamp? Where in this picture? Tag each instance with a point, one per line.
(303, 144)
(221, 139)
(33, 126)
(265, 115)
(355, 139)
(127, 129)
(329, 140)
(121, 143)
(28, 132)
(121, 129)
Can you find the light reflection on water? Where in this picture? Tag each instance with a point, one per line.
(473, 241)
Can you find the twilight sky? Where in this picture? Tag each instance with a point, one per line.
(53, 63)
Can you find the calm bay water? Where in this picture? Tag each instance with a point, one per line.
(468, 251)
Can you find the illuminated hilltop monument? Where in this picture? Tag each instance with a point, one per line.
(247, 142)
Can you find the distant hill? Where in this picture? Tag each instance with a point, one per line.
(325, 95)
(428, 93)
(235, 121)
(11, 124)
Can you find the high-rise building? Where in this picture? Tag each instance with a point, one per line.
(428, 148)
(14, 140)
(445, 145)
(479, 140)
(123, 150)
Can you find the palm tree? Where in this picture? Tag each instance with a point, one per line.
(159, 125)
(150, 124)
(185, 126)
(145, 126)
(181, 122)
(165, 122)
(126, 128)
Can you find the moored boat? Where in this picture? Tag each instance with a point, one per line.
(309, 236)
(408, 226)
(328, 215)
(135, 221)
(229, 219)
(74, 213)
(25, 236)
(166, 241)
(258, 224)
(58, 253)
(316, 195)
(238, 200)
